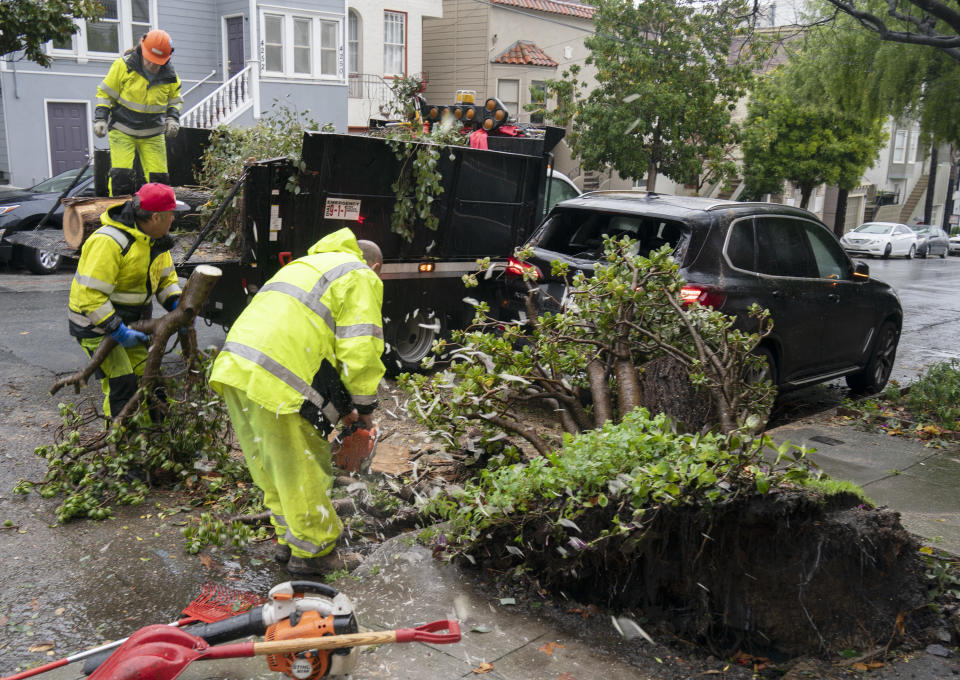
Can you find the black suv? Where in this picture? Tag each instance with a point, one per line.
(830, 319)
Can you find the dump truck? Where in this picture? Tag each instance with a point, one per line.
(492, 199)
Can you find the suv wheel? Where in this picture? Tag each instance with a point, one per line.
(767, 371)
(43, 261)
(875, 374)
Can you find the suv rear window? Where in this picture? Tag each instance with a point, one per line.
(579, 233)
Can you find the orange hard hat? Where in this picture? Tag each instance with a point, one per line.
(156, 47)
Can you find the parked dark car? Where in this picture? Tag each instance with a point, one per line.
(830, 318)
(931, 240)
(22, 209)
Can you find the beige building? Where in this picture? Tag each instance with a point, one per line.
(503, 48)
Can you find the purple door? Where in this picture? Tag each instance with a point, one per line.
(68, 135)
(234, 45)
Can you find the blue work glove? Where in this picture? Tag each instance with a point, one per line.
(126, 336)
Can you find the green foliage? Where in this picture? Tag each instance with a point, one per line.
(188, 450)
(866, 76)
(633, 467)
(626, 314)
(278, 133)
(419, 182)
(942, 572)
(935, 397)
(29, 24)
(664, 91)
(787, 137)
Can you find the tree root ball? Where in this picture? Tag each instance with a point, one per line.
(792, 572)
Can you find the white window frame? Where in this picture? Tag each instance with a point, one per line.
(317, 19)
(916, 155)
(386, 13)
(353, 17)
(78, 40)
(899, 146)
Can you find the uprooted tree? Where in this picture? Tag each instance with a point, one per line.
(740, 539)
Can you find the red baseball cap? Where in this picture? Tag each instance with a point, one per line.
(158, 197)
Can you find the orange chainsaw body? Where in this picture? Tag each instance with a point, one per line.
(354, 449)
(302, 665)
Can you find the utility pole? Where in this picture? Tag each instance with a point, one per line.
(951, 187)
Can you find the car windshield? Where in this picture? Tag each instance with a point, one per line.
(922, 231)
(60, 182)
(874, 228)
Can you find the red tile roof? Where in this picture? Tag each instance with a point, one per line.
(524, 52)
(573, 9)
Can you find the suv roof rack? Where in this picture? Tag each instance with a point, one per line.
(641, 192)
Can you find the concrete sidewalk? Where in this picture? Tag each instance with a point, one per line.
(919, 482)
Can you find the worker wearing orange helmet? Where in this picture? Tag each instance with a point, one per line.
(138, 103)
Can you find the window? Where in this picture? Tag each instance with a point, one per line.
(783, 248)
(828, 255)
(122, 25)
(538, 97)
(353, 43)
(900, 146)
(273, 43)
(915, 146)
(394, 43)
(740, 246)
(508, 92)
(301, 46)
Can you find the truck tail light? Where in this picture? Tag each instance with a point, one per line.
(517, 267)
(707, 297)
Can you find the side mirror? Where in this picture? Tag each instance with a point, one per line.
(861, 270)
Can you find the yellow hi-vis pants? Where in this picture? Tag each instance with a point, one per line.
(152, 151)
(119, 373)
(290, 461)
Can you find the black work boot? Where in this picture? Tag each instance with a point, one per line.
(325, 564)
(281, 553)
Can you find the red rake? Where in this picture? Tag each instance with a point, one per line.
(215, 603)
(162, 653)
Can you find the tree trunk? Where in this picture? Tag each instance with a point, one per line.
(81, 217)
(931, 187)
(840, 218)
(600, 392)
(665, 387)
(652, 176)
(805, 191)
(948, 204)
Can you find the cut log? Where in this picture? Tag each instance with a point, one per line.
(81, 217)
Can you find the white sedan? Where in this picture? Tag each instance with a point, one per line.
(955, 245)
(881, 239)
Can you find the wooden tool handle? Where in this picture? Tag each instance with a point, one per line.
(325, 642)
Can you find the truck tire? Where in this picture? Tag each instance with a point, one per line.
(410, 336)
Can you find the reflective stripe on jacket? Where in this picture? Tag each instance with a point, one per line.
(133, 104)
(120, 267)
(323, 306)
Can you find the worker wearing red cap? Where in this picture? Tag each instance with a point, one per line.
(138, 103)
(123, 264)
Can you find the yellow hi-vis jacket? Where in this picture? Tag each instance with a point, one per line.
(120, 268)
(317, 319)
(134, 104)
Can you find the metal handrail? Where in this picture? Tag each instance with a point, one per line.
(200, 82)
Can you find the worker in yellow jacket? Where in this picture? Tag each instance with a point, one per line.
(137, 103)
(123, 264)
(304, 354)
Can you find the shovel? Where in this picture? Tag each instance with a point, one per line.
(162, 652)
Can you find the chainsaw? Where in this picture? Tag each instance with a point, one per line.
(294, 609)
(354, 447)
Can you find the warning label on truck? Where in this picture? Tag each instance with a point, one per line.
(342, 209)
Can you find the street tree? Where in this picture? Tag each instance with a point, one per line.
(27, 25)
(931, 23)
(664, 90)
(789, 138)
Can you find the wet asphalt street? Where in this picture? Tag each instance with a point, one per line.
(65, 588)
